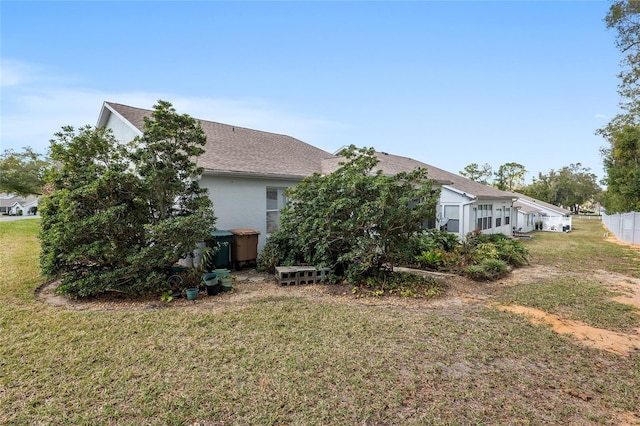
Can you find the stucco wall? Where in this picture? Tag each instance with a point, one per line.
(242, 202)
(122, 132)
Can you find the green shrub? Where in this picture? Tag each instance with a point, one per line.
(513, 252)
(488, 270)
(438, 259)
(386, 282)
(426, 240)
(479, 247)
(278, 251)
(435, 238)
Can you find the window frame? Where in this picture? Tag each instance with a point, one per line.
(273, 225)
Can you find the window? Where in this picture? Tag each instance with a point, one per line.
(484, 215)
(452, 214)
(275, 201)
(507, 215)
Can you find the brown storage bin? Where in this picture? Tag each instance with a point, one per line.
(245, 246)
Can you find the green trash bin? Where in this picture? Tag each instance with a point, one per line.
(223, 240)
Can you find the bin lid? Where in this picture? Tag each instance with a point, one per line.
(220, 233)
(244, 231)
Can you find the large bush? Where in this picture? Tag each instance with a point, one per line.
(354, 220)
(120, 215)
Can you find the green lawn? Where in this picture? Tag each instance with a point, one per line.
(289, 361)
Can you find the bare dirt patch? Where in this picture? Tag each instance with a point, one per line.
(611, 341)
(630, 287)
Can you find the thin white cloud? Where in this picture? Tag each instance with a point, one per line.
(37, 102)
(31, 115)
(16, 73)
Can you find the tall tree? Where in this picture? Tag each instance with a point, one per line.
(478, 173)
(120, 215)
(22, 172)
(571, 187)
(622, 132)
(621, 162)
(624, 17)
(510, 176)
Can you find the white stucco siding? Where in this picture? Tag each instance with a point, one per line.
(242, 202)
(448, 196)
(122, 131)
(452, 200)
(498, 211)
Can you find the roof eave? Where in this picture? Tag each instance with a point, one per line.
(104, 117)
(252, 175)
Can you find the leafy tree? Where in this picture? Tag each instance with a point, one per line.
(571, 186)
(354, 220)
(179, 211)
(120, 215)
(622, 132)
(510, 176)
(22, 172)
(93, 221)
(477, 173)
(621, 161)
(624, 18)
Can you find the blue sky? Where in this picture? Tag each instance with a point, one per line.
(446, 83)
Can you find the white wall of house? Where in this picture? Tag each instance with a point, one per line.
(121, 130)
(452, 207)
(29, 205)
(552, 220)
(526, 221)
(492, 216)
(468, 211)
(241, 202)
(16, 208)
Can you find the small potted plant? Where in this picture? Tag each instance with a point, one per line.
(191, 283)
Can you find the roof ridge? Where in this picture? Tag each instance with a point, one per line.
(207, 121)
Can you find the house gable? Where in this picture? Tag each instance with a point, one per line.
(233, 149)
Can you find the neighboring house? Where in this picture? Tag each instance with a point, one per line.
(13, 204)
(532, 211)
(246, 172)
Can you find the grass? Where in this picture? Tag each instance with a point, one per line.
(576, 298)
(583, 249)
(298, 362)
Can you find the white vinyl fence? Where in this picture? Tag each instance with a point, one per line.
(625, 226)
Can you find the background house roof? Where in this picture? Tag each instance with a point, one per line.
(9, 200)
(391, 164)
(537, 204)
(526, 208)
(234, 149)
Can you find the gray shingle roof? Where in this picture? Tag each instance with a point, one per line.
(392, 164)
(8, 200)
(241, 150)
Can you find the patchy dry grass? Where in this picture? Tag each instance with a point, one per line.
(583, 249)
(295, 361)
(578, 298)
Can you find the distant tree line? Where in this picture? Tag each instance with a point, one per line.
(571, 187)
